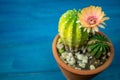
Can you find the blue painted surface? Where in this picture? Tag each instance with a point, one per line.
(27, 28)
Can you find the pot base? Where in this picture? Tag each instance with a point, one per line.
(73, 76)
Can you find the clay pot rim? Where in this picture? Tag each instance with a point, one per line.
(82, 72)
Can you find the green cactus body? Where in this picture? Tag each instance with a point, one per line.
(98, 45)
(69, 30)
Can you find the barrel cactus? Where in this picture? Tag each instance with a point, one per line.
(98, 45)
(72, 35)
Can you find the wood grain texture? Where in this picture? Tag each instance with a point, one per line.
(27, 28)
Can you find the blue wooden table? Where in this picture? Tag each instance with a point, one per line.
(27, 29)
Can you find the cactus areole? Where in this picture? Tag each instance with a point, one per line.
(70, 31)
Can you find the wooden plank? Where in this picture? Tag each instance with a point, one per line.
(108, 74)
(35, 76)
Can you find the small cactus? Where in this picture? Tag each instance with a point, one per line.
(70, 32)
(98, 45)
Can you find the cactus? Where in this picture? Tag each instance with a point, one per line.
(98, 45)
(70, 31)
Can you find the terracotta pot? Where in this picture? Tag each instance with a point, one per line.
(74, 74)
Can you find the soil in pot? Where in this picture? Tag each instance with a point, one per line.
(80, 59)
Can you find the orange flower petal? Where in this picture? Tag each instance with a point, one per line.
(101, 26)
(103, 19)
(98, 11)
(95, 29)
(101, 16)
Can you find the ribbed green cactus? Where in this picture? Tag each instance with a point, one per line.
(70, 31)
(98, 45)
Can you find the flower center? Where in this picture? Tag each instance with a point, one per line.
(91, 20)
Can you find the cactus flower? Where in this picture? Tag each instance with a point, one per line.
(91, 18)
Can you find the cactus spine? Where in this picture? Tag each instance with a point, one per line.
(70, 31)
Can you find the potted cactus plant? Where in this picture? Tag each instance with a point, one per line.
(80, 49)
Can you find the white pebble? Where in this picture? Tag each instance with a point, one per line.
(64, 55)
(77, 68)
(92, 67)
(84, 61)
(67, 59)
(103, 57)
(60, 46)
(108, 53)
(70, 54)
(82, 65)
(72, 61)
(84, 50)
(79, 56)
(90, 57)
(85, 57)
